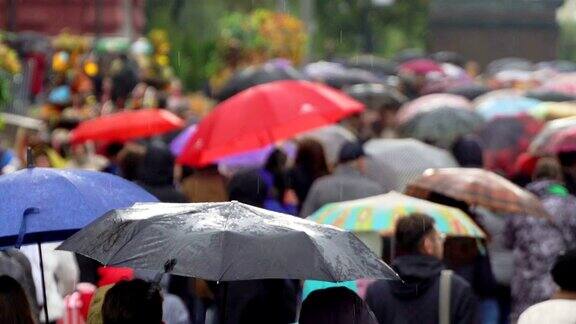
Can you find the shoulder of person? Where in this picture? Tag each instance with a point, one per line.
(459, 283)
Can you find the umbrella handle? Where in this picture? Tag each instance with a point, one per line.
(22, 231)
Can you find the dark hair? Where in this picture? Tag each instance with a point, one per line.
(132, 302)
(563, 271)
(14, 306)
(410, 230)
(567, 159)
(276, 165)
(337, 305)
(248, 187)
(311, 158)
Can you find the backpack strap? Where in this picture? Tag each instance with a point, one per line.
(444, 297)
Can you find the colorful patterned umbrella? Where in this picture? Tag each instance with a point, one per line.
(504, 139)
(541, 143)
(380, 213)
(430, 102)
(476, 187)
(442, 126)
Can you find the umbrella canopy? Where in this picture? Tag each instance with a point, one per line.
(564, 83)
(554, 110)
(127, 125)
(431, 102)
(377, 96)
(377, 65)
(337, 75)
(476, 187)
(563, 142)
(552, 96)
(509, 63)
(407, 158)
(380, 213)
(442, 126)
(420, 66)
(255, 75)
(497, 94)
(332, 138)
(541, 144)
(558, 65)
(504, 139)
(506, 106)
(469, 91)
(42, 204)
(452, 76)
(225, 242)
(263, 115)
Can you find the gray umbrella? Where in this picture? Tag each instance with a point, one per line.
(407, 158)
(225, 242)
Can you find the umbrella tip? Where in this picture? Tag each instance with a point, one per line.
(29, 158)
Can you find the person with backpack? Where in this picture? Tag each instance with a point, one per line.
(427, 293)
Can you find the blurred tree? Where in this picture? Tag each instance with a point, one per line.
(344, 28)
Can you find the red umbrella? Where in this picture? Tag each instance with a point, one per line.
(421, 66)
(263, 115)
(127, 125)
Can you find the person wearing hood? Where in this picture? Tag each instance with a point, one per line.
(156, 174)
(348, 182)
(536, 241)
(337, 305)
(427, 293)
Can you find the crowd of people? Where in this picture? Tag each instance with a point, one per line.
(522, 272)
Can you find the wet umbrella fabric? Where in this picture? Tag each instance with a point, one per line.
(470, 92)
(374, 64)
(506, 106)
(225, 242)
(256, 75)
(376, 96)
(380, 213)
(431, 102)
(127, 125)
(541, 143)
(504, 139)
(406, 158)
(42, 204)
(442, 126)
(476, 187)
(263, 115)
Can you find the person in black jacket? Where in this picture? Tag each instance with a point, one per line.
(415, 299)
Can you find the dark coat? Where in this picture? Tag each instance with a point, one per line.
(416, 299)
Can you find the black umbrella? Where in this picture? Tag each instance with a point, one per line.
(551, 96)
(379, 66)
(256, 75)
(376, 96)
(449, 57)
(470, 92)
(225, 242)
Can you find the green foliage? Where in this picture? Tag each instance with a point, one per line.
(343, 28)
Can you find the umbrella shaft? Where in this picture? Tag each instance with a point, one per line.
(46, 319)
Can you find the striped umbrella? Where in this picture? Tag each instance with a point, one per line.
(380, 213)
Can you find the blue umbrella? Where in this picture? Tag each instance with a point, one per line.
(42, 204)
(506, 106)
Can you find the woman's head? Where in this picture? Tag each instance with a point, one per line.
(311, 158)
(337, 305)
(14, 306)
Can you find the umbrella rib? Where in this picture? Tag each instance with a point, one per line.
(324, 264)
